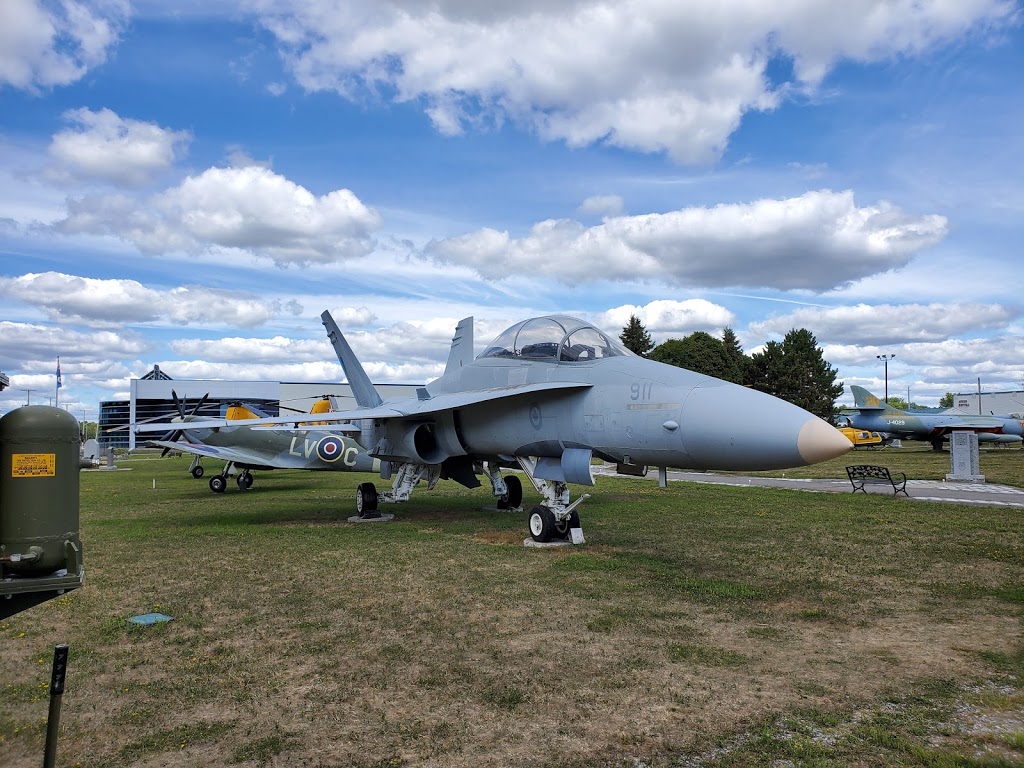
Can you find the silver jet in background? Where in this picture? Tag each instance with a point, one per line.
(873, 413)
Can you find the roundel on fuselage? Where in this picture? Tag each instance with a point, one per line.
(330, 448)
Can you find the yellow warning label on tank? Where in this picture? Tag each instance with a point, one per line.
(33, 465)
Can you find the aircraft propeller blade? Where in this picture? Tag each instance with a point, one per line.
(170, 437)
(178, 404)
(199, 404)
(175, 434)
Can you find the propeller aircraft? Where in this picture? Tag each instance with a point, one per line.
(309, 445)
(549, 395)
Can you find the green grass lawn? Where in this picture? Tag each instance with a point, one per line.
(700, 625)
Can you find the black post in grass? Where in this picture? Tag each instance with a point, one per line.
(60, 668)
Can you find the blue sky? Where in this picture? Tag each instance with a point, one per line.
(193, 187)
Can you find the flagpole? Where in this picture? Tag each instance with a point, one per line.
(56, 389)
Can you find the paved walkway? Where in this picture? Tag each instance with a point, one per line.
(920, 490)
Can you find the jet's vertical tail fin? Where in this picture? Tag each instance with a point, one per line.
(461, 353)
(362, 389)
(866, 401)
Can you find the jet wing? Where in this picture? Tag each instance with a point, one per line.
(209, 451)
(410, 407)
(311, 424)
(968, 422)
(449, 400)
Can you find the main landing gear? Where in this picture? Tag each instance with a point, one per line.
(555, 519)
(196, 467)
(219, 483)
(508, 491)
(406, 478)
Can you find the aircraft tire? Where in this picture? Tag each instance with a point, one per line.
(366, 499)
(513, 496)
(244, 481)
(542, 524)
(198, 472)
(563, 527)
(218, 484)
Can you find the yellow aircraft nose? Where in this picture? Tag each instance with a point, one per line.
(820, 441)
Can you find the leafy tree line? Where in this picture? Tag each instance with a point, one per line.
(793, 369)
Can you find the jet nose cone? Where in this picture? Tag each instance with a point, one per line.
(725, 426)
(819, 441)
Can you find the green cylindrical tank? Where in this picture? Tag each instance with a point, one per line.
(39, 485)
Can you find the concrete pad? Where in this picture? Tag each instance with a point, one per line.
(384, 518)
(530, 543)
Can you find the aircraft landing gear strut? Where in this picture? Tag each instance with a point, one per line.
(244, 480)
(508, 491)
(556, 518)
(196, 467)
(406, 478)
(219, 482)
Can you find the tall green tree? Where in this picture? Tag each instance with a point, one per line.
(946, 401)
(766, 369)
(734, 352)
(796, 370)
(636, 338)
(810, 380)
(700, 352)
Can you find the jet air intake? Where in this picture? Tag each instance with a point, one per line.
(431, 442)
(420, 444)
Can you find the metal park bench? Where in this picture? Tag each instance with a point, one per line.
(867, 473)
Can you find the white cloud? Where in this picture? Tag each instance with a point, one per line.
(249, 208)
(254, 351)
(109, 148)
(35, 347)
(889, 323)
(414, 341)
(49, 44)
(995, 359)
(346, 317)
(601, 205)
(316, 371)
(647, 75)
(816, 242)
(665, 318)
(405, 346)
(117, 302)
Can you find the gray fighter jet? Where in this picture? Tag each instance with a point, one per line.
(548, 396)
(873, 414)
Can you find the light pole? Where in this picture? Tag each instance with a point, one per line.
(885, 359)
(28, 395)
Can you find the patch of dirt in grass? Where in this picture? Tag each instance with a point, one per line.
(500, 537)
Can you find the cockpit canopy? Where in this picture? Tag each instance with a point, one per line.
(554, 337)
